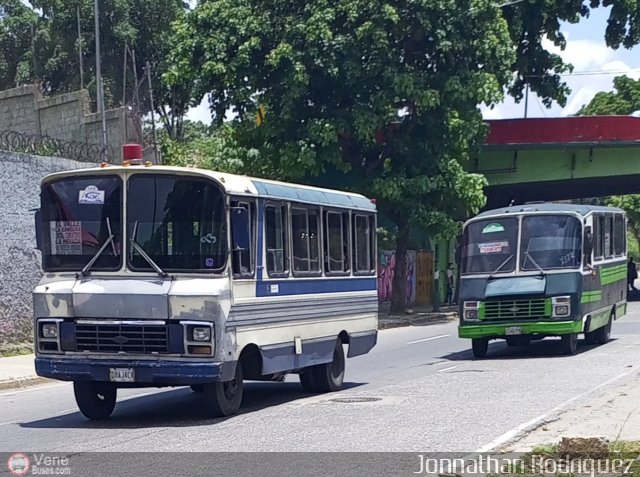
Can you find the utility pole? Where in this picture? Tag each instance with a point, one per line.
(99, 82)
(153, 118)
(80, 50)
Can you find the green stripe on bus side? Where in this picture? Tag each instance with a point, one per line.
(613, 274)
(591, 296)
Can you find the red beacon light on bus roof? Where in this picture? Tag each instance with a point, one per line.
(131, 154)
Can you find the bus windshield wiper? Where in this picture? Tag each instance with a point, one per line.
(87, 267)
(537, 265)
(144, 254)
(491, 275)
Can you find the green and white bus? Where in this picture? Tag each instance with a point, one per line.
(538, 270)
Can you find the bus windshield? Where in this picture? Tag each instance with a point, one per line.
(177, 222)
(550, 242)
(82, 221)
(490, 246)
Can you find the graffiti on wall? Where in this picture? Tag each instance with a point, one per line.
(386, 272)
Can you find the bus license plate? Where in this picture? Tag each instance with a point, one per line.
(122, 375)
(513, 330)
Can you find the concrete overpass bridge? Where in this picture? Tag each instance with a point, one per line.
(560, 158)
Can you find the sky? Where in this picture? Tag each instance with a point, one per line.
(595, 66)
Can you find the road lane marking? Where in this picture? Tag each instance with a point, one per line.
(533, 423)
(428, 339)
(449, 368)
(30, 390)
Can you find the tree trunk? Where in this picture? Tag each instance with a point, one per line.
(399, 291)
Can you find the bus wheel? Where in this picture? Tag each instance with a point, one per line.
(197, 388)
(480, 346)
(307, 381)
(95, 399)
(328, 377)
(602, 334)
(569, 343)
(223, 398)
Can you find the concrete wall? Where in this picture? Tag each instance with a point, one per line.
(67, 117)
(20, 270)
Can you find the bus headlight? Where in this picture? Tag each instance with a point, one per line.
(561, 305)
(470, 311)
(49, 330)
(201, 333)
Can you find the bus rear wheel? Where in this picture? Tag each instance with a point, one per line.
(603, 334)
(480, 346)
(223, 398)
(96, 400)
(569, 343)
(327, 377)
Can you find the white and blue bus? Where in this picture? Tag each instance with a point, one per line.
(165, 276)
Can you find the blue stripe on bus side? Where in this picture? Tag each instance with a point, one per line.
(309, 286)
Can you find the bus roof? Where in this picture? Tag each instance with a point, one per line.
(549, 207)
(243, 185)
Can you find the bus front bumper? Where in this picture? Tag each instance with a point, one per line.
(144, 372)
(499, 330)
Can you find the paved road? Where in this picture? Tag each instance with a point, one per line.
(427, 394)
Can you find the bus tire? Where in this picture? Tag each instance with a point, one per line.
(197, 388)
(96, 400)
(223, 398)
(603, 334)
(307, 381)
(328, 377)
(480, 347)
(569, 343)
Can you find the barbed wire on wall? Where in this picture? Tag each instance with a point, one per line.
(14, 141)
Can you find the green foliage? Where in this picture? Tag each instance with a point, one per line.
(217, 150)
(624, 100)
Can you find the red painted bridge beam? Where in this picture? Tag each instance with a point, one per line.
(570, 131)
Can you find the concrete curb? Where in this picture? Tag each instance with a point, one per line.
(25, 382)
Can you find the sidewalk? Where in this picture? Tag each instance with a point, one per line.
(614, 416)
(416, 316)
(19, 371)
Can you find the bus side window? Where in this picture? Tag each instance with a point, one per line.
(588, 245)
(276, 240)
(305, 241)
(336, 242)
(242, 239)
(608, 236)
(618, 235)
(364, 244)
(598, 237)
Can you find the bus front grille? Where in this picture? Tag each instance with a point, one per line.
(518, 309)
(122, 338)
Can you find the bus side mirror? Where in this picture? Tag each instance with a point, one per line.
(38, 226)
(240, 229)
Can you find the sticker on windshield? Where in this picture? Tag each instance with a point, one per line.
(91, 195)
(493, 247)
(66, 238)
(209, 262)
(493, 228)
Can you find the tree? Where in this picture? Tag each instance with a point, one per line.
(16, 59)
(386, 93)
(625, 99)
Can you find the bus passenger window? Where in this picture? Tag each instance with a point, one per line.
(275, 220)
(598, 237)
(618, 235)
(241, 237)
(336, 242)
(304, 230)
(608, 236)
(364, 247)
